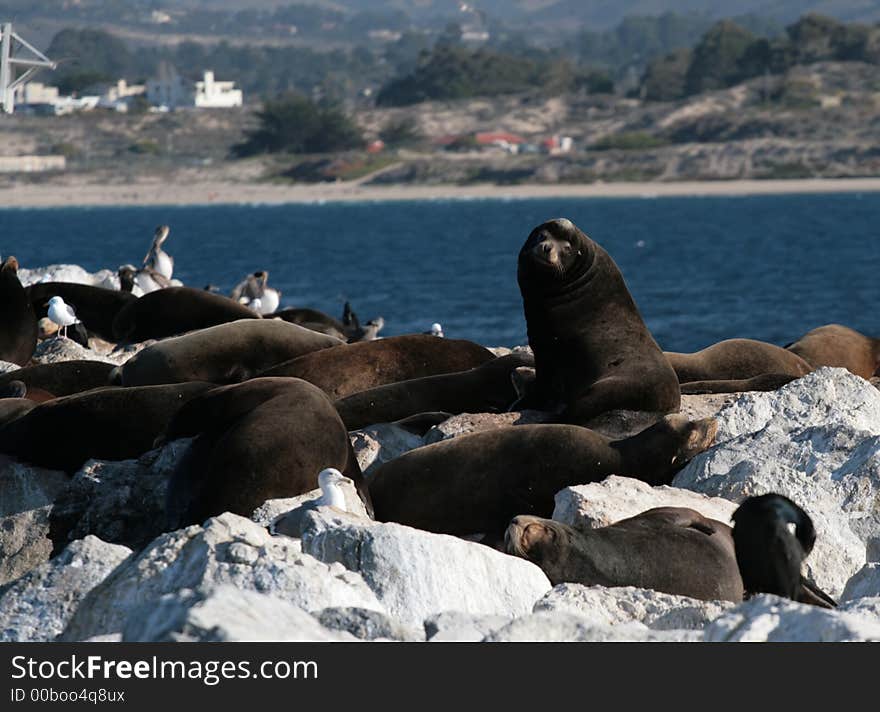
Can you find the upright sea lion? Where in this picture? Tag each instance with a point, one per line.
(484, 389)
(769, 554)
(593, 352)
(227, 353)
(106, 423)
(476, 483)
(345, 370)
(737, 359)
(18, 323)
(836, 345)
(262, 439)
(173, 311)
(63, 378)
(95, 307)
(669, 549)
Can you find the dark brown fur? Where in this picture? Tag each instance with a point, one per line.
(736, 359)
(476, 483)
(353, 368)
(18, 323)
(95, 307)
(64, 378)
(263, 439)
(593, 352)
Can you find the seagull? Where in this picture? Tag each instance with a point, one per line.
(331, 493)
(156, 258)
(436, 330)
(293, 523)
(62, 314)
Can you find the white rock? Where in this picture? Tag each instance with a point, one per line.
(865, 584)
(58, 349)
(613, 606)
(7, 367)
(415, 573)
(364, 624)
(380, 443)
(817, 441)
(599, 504)
(61, 273)
(772, 619)
(272, 508)
(26, 497)
(226, 550)
(37, 606)
(457, 627)
(225, 614)
(563, 627)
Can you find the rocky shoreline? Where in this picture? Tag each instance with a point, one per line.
(88, 557)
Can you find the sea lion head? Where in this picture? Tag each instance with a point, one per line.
(670, 443)
(554, 246)
(542, 541)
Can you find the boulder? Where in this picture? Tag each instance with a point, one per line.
(26, 496)
(865, 584)
(778, 620)
(416, 573)
(380, 443)
(365, 624)
(614, 606)
(273, 508)
(599, 504)
(564, 627)
(817, 441)
(225, 550)
(122, 502)
(68, 273)
(6, 367)
(225, 614)
(457, 627)
(58, 349)
(37, 606)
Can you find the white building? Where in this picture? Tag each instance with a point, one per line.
(175, 92)
(35, 93)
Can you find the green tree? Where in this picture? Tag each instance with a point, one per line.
(665, 79)
(716, 61)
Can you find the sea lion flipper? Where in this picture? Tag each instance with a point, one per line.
(812, 594)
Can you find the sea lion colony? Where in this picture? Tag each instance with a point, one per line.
(268, 397)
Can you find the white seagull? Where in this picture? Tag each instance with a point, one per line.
(293, 523)
(436, 330)
(331, 493)
(62, 314)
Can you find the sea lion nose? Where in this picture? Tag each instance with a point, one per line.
(546, 247)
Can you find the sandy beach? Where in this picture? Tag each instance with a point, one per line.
(205, 193)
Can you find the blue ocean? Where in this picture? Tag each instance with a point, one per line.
(700, 269)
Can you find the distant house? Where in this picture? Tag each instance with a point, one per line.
(117, 95)
(171, 90)
(38, 98)
(509, 142)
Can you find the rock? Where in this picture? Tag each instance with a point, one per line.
(225, 550)
(37, 606)
(562, 627)
(613, 606)
(456, 627)
(415, 573)
(707, 405)
(865, 584)
(68, 273)
(599, 504)
(272, 508)
(26, 496)
(817, 441)
(225, 614)
(46, 328)
(467, 423)
(7, 367)
(122, 502)
(778, 620)
(366, 625)
(380, 443)
(60, 349)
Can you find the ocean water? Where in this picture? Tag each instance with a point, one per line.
(700, 269)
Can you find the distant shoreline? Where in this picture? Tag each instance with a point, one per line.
(217, 193)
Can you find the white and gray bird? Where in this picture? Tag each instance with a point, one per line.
(294, 522)
(436, 330)
(157, 259)
(62, 314)
(331, 493)
(255, 287)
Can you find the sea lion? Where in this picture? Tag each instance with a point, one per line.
(173, 311)
(95, 307)
(770, 555)
(12, 408)
(227, 353)
(349, 369)
(19, 389)
(736, 359)
(18, 323)
(764, 382)
(669, 549)
(485, 389)
(262, 439)
(836, 345)
(63, 378)
(106, 423)
(314, 320)
(593, 352)
(475, 483)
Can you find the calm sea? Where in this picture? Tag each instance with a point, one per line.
(700, 269)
